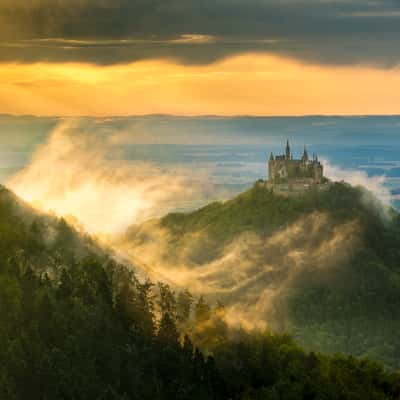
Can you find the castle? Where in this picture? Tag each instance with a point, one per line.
(286, 174)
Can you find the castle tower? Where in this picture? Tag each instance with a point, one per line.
(287, 155)
(271, 167)
(304, 158)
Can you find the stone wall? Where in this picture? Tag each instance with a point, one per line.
(295, 171)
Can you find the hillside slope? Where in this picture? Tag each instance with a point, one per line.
(323, 266)
(75, 325)
(40, 240)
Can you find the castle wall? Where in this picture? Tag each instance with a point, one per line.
(296, 189)
(281, 171)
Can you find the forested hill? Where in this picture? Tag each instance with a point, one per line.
(38, 240)
(260, 211)
(323, 266)
(74, 324)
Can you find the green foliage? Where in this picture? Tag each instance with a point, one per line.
(76, 325)
(261, 211)
(202, 310)
(353, 306)
(184, 303)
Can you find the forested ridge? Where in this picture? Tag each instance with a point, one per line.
(345, 296)
(75, 324)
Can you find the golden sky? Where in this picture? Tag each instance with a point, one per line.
(247, 84)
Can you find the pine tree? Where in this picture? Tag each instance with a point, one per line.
(202, 310)
(184, 306)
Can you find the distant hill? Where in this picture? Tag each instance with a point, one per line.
(322, 266)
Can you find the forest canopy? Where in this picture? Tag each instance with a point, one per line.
(75, 324)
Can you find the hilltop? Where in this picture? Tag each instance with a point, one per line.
(323, 266)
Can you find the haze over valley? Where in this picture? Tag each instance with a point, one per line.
(259, 254)
(199, 200)
(216, 157)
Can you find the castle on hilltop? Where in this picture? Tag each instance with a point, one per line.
(286, 174)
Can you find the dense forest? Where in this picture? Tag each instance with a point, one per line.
(75, 324)
(345, 295)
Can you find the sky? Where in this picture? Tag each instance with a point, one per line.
(205, 57)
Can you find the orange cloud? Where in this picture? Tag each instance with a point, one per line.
(250, 84)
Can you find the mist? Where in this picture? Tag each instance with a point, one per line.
(74, 173)
(252, 272)
(77, 173)
(375, 184)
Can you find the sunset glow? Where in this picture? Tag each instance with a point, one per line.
(250, 84)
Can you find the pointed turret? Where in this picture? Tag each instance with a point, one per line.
(271, 157)
(288, 157)
(304, 158)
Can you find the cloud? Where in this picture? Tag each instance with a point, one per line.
(119, 31)
(374, 184)
(253, 273)
(250, 84)
(74, 174)
(376, 14)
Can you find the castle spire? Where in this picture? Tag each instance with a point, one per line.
(305, 154)
(287, 150)
(271, 157)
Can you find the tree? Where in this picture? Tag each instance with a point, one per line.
(167, 301)
(187, 348)
(167, 331)
(184, 306)
(202, 310)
